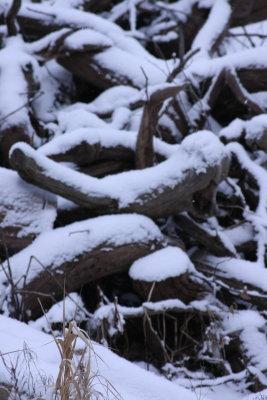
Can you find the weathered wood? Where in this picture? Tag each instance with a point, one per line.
(84, 66)
(25, 212)
(104, 168)
(210, 241)
(85, 153)
(181, 287)
(144, 153)
(100, 262)
(194, 192)
(34, 173)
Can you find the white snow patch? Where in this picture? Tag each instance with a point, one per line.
(23, 206)
(160, 265)
(131, 381)
(240, 320)
(71, 308)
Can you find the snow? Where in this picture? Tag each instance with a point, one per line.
(53, 77)
(130, 381)
(69, 120)
(197, 152)
(84, 37)
(113, 98)
(67, 243)
(13, 61)
(105, 137)
(160, 265)
(119, 60)
(248, 272)
(213, 27)
(69, 17)
(239, 321)
(71, 307)
(23, 206)
(253, 128)
(249, 323)
(249, 58)
(240, 234)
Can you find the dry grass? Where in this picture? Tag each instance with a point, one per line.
(76, 380)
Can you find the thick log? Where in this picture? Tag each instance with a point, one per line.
(166, 274)
(79, 253)
(87, 147)
(84, 153)
(104, 168)
(159, 191)
(25, 212)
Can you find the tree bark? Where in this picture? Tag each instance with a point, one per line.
(195, 192)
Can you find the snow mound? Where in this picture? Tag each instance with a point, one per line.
(24, 207)
(161, 265)
(130, 381)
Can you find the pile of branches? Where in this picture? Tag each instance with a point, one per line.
(133, 136)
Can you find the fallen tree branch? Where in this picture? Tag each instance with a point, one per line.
(159, 191)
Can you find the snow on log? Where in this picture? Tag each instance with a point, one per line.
(186, 181)
(25, 212)
(79, 253)
(99, 51)
(212, 240)
(250, 66)
(238, 281)
(86, 146)
(18, 87)
(254, 132)
(166, 274)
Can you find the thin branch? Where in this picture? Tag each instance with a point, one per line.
(21, 107)
(11, 18)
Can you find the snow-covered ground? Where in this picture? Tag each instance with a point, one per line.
(37, 358)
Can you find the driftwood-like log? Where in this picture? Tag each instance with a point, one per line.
(104, 168)
(84, 153)
(144, 154)
(180, 287)
(85, 66)
(100, 262)
(194, 191)
(80, 253)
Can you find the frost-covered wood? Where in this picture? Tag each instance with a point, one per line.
(114, 100)
(185, 182)
(167, 274)
(25, 212)
(77, 254)
(19, 86)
